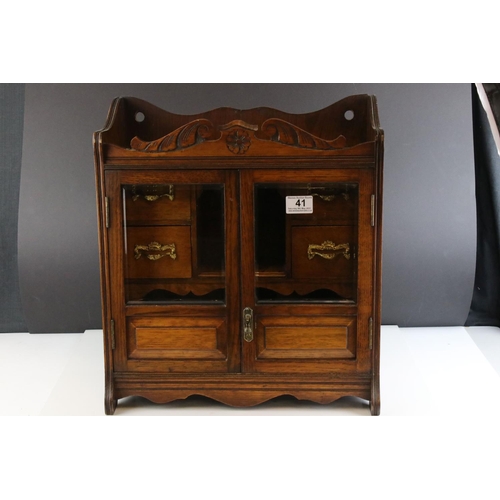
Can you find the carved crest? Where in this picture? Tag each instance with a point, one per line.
(238, 137)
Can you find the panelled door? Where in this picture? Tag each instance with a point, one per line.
(219, 271)
(307, 272)
(173, 253)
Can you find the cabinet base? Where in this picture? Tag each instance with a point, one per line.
(239, 391)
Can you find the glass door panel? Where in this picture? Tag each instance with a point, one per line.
(174, 243)
(306, 242)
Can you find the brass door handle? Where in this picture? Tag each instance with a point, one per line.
(154, 246)
(328, 250)
(248, 324)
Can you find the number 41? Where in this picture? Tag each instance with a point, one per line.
(298, 202)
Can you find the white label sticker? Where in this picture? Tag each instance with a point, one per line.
(299, 204)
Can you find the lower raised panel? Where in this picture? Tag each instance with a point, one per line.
(306, 337)
(177, 338)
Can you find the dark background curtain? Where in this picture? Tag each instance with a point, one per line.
(11, 146)
(485, 306)
(429, 244)
(429, 254)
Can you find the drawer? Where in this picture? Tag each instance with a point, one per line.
(157, 203)
(329, 206)
(159, 252)
(323, 252)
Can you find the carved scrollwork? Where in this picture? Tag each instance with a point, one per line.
(189, 135)
(285, 133)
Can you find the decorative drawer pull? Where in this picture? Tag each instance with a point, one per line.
(324, 197)
(329, 197)
(153, 197)
(332, 249)
(154, 246)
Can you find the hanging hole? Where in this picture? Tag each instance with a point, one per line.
(139, 117)
(349, 114)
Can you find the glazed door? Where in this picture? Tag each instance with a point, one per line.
(307, 245)
(173, 247)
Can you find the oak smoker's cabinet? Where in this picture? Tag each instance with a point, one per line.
(240, 252)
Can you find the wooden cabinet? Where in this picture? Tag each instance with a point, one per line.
(241, 252)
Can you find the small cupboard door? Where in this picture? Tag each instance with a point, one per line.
(173, 253)
(307, 272)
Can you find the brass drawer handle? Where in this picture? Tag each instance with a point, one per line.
(331, 197)
(330, 247)
(326, 197)
(153, 197)
(154, 246)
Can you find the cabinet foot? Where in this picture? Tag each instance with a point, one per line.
(375, 408)
(110, 406)
(375, 395)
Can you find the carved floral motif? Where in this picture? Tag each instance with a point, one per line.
(238, 141)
